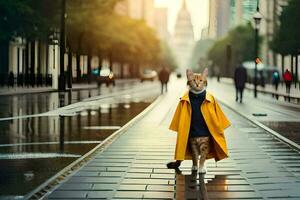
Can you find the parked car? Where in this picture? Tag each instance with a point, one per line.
(105, 76)
(148, 75)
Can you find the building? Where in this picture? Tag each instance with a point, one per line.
(204, 33)
(183, 39)
(219, 14)
(241, 11)
(141, 9)
(161, 23)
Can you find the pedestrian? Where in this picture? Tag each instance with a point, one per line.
(11, 79)
(287, 77)
(275, 79)
(240, 78)
(164, 79)
(199, 123)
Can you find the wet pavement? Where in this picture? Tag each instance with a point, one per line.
(34, 148)
(260, 166)
(290, 130)
(28, 104)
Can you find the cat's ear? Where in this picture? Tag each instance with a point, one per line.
(189, 74)
(205, 73)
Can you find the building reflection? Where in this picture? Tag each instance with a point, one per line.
(27, 134)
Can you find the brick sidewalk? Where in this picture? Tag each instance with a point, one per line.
(133, 166)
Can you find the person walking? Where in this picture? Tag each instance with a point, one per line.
(164, 79)
(240, 78)
(11, 79)
(275, 80)
(287, 77)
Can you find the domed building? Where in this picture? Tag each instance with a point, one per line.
(183, 39)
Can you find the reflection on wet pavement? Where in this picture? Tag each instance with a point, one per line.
(34, 149)
(28, 104)
(224, 181)
(190, 186)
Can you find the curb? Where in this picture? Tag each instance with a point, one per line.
(272, 132)
(62, 176)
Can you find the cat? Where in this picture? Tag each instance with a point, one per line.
(200, 123)
(199, 138)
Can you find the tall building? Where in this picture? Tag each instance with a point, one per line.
(137, 9)
(241, 11)
(183, 39)
(218, 18)
(161, 23)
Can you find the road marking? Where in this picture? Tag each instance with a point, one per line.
(102, 127)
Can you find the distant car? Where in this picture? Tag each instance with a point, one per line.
(105, 76)
(148, 75)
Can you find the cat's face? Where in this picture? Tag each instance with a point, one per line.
(196, 81)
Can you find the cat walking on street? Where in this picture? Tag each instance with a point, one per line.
(200, 123)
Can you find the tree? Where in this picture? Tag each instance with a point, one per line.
(286, 38)
(92, 28)
(237, 46)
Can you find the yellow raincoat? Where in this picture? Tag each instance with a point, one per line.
(216, 122)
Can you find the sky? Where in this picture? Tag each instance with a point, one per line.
(199, 10)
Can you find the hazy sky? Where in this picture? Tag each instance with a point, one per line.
(198, 9)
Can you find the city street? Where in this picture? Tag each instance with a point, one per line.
(88, 92)
(132, 163)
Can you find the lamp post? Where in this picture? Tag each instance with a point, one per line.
(257, 19)
(62, 79)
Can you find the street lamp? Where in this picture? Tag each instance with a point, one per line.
(257, 19)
